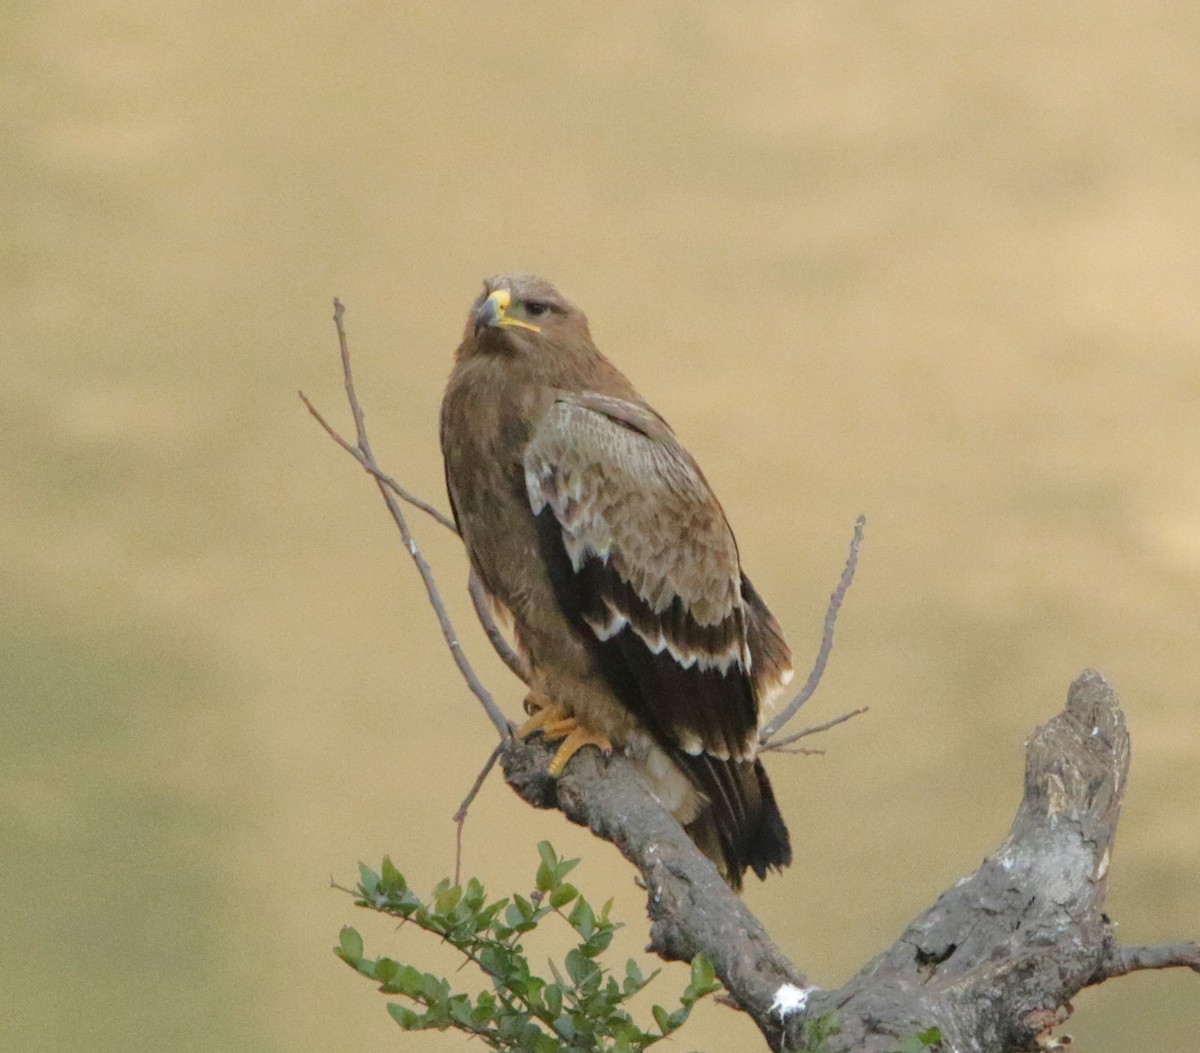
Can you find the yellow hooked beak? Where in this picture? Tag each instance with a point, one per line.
(493, 312)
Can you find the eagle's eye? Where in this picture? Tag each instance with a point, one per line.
(535, 308)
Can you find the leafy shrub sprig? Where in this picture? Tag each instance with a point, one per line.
(580, 1006)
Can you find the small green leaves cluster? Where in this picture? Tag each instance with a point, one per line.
(579, 1005)
(930, 1038)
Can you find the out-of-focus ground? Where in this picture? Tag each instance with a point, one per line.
(937, 264)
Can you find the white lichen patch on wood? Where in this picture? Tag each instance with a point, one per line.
(790, 999)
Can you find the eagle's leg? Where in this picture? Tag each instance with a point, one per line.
(551, 719)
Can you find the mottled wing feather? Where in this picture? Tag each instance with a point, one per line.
(656, 573)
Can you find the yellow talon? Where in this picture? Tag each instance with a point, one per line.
(552, 720)
(576, 739)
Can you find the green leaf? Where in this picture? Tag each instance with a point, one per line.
(703, 981)
(368, 879)
(516, 919)
(703, 974)
(510, 1027)
(563, 895)
(447, 899)
(433, 988)
(579, 968)
(495, 961)
(406, 981)
(350, 945)
(392, 877)
(438, 1016)
(597, 943)
(582, 919)
(461, 1011)
(545, 879)
(546, 851)
(403, 1016)
(930, 1036)
(487, 915)
(634, 980)
(474, 895)
(483, 1013)
(662, 1018)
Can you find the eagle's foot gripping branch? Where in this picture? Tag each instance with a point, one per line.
(553, 721)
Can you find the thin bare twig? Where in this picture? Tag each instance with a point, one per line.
(373, 469)
(483, 611)
(491, 629)
(460, 817)
(368, 461)
(783, 744)
(831, 614)
(412, 499)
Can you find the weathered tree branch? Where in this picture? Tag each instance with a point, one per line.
(993, 964)
(1023, 934)
(1119, 961)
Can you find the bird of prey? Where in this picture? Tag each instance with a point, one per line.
(597, 536)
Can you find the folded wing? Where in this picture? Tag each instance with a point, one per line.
(642, 556)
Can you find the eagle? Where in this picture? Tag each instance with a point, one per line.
(597, 538)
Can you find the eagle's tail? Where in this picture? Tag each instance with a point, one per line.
(740, 827)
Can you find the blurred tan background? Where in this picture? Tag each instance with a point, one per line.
(935, 263)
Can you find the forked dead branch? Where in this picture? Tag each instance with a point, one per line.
(992, 965)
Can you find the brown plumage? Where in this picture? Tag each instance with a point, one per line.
(595, 531)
